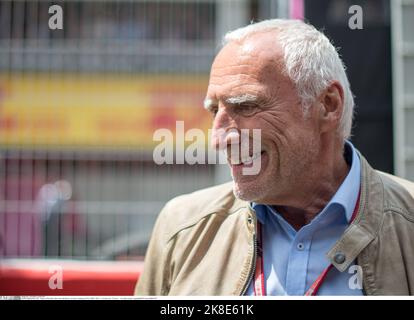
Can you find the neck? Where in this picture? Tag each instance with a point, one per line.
(329, 173)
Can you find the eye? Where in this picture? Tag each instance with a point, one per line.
(247, 109)
(213, 111)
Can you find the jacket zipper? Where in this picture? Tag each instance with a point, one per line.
(253, 267)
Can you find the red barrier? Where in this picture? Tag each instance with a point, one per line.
(19, 277)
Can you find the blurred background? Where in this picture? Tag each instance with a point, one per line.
(79, 106)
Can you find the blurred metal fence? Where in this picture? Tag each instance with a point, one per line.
(74, 197)
(116, 36)
(85, 205)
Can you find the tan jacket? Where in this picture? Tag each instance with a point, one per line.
(204, 243)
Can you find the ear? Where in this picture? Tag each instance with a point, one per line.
(331, 105)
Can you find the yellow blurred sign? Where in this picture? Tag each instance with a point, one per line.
(72, 110)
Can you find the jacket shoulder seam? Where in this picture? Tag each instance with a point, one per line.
(192, 224)
(390, 206)
(401, 211)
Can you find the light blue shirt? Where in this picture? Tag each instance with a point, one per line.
(293, 260)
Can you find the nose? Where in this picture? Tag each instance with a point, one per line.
(222, 118)
(225, 128)
(222, 139)
(225, 131)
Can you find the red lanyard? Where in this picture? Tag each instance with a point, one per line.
(259, 283)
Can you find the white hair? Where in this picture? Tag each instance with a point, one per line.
(311, 62)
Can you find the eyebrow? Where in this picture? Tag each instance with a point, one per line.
(210, 103)
(241, 99)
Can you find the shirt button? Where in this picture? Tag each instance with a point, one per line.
(339, 258)
(300, 246)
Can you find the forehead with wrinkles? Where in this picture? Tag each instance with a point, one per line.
(260, 52)
(253, 63)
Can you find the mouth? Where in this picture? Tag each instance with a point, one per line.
(245, 161)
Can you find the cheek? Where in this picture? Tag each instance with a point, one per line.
(287, 127)
(274, 131)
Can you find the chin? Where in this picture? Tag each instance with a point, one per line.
(248, 191)
(253, 187)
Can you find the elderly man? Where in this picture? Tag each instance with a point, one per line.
(316, 218)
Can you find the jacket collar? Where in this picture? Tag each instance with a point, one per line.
(367, 221)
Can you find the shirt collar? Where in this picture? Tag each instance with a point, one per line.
(347, 194)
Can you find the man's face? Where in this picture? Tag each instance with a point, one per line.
(248, 90)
